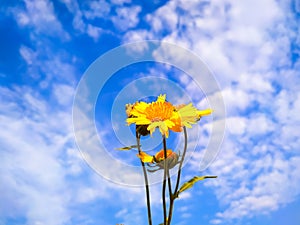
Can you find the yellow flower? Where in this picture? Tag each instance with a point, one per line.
(159, 114)
(163, 115)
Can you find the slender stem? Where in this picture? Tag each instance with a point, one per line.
(164, 182)
(138, 136)
(171, 204)
(181, 161)
(167, 167)
(174, 196)
(170, 185)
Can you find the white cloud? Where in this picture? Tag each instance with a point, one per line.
(40, 15)
(264, 190)
(94, 32)
(84, 15)
(253, 13)
(29, 165)
(27, 54)
(236, 100)
(64, 94)
(236, 125)
(127, 17)
(46, 66)
(255, 82)
(165, 18)
(259, 124)
(97, 9)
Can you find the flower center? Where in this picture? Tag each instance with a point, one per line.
(159, 111)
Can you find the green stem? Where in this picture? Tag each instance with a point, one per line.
(138, 136)
(181, 162)
(174, 196)
(164, 181)
(167, 168)
(171, 204)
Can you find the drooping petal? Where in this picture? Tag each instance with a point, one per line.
(145, 157)
(188, 115)
(163, 129)
(152, 126)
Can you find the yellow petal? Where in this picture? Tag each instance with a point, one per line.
(152, 127)
(204, 112)
(145, 157)
(138, 121)
(161, 98)
(169, 123)
(188, 114)
(163, 129)
(139, 108)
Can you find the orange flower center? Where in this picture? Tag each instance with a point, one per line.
(159, 111)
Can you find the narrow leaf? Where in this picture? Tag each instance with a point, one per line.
(127, 148)
(191, 182)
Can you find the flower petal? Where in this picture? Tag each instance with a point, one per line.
(145, 157)
(152, 126)
(161, 98)
(204, 112)
(138, 121)
(163, 129)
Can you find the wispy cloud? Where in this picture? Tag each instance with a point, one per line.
(40, 17)
(31, 144)
(127, 17)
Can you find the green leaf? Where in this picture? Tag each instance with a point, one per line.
(191, 182)
(127, 148)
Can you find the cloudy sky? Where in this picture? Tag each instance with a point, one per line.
(52, 170)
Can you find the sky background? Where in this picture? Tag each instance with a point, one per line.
(251, 47)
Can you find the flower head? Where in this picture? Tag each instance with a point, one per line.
(163, 115)
(159, 114)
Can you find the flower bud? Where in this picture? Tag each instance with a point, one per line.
(172, 158)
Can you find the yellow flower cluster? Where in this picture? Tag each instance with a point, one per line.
(163, 115)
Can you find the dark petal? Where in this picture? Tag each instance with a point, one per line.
(142, 130)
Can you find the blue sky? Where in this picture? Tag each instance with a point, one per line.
(251, 47)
